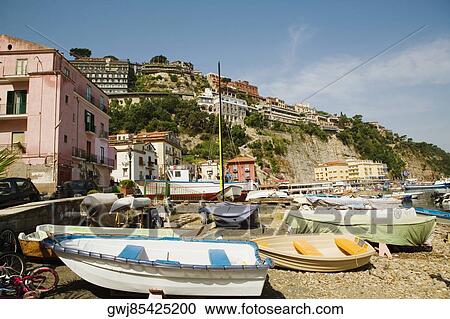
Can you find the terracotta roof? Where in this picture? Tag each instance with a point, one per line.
(241, 159)
(334, 163)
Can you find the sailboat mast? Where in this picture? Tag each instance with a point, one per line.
(222, 184)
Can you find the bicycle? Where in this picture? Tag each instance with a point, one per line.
(32, 285)
(12, 264)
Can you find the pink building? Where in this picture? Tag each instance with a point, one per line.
(241, 168)
(53, 115)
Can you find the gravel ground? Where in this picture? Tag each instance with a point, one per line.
(407, 275)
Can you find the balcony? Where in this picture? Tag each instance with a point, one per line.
(91, 129)
(103, 134)
(10, 78)
(107, 161)
(16, 114)
(78, 153)
(92, 158)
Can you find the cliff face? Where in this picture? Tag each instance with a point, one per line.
(305, 153)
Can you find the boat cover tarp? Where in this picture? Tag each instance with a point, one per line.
(230, 214)
(98, 201)
(130, 202)
(355, 202)
(406, 231)
(270, 193)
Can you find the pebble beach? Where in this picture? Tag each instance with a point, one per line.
(419, 274)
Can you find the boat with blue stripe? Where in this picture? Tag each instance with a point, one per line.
(174, 266)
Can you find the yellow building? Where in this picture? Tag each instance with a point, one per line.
(350, 170)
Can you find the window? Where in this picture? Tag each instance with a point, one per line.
(177, 174)
(102, 154)
(18, 137)
(125, 172)
(88, 149)
(67, 72)
(89, 121)
(73, 117)
(66, 99)
(16, 102)
(21, 66)
(65, 138)
(102, 103)
(89, 93)
(141, 160)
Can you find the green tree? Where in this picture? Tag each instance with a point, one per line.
(255, 119)
(80, 53)
(159, 59)
(7, 158)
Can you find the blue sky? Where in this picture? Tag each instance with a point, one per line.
(288, 48)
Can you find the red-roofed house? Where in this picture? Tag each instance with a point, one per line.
(241, 168)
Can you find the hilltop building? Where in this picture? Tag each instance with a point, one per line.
(351, 170)
(233, 109)
(162, 64)
(232, 86)
(284, 114)
(108, 73)
(54, 115)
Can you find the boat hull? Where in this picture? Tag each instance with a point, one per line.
(288, 258)
(188, 282)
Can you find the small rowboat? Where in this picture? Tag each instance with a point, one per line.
(319, 253)
(172, 265)
(32, 246)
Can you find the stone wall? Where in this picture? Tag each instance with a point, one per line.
(25, 218)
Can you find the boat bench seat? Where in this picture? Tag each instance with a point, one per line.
(133, 252)
(167, 262)
(218, 258)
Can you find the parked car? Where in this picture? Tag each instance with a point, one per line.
(16, 191)
(75, 188)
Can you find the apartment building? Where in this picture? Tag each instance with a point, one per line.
(350, 170)
(166, 144)
(285, 114)
(108, 73)
(234, 109)
(238, 86)
(135, 160)
(53, 115)
(241, 169)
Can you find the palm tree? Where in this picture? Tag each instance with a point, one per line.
(7, 157)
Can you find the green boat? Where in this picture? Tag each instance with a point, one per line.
(405, 231)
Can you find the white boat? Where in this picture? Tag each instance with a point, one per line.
(266, 193)
(31, 244)
(356, 202)
(173, 266)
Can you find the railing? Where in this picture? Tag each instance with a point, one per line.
(91, 158)
(90, 128)
(3, 111)
(78, 152)
(104, 134)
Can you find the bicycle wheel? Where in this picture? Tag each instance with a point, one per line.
(8, 241)
(42, 279)
(12, 264)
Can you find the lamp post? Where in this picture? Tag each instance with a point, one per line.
(130, 156)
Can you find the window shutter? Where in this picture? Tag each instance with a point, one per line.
(86, 124)
(10, 102)
(23, 102)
